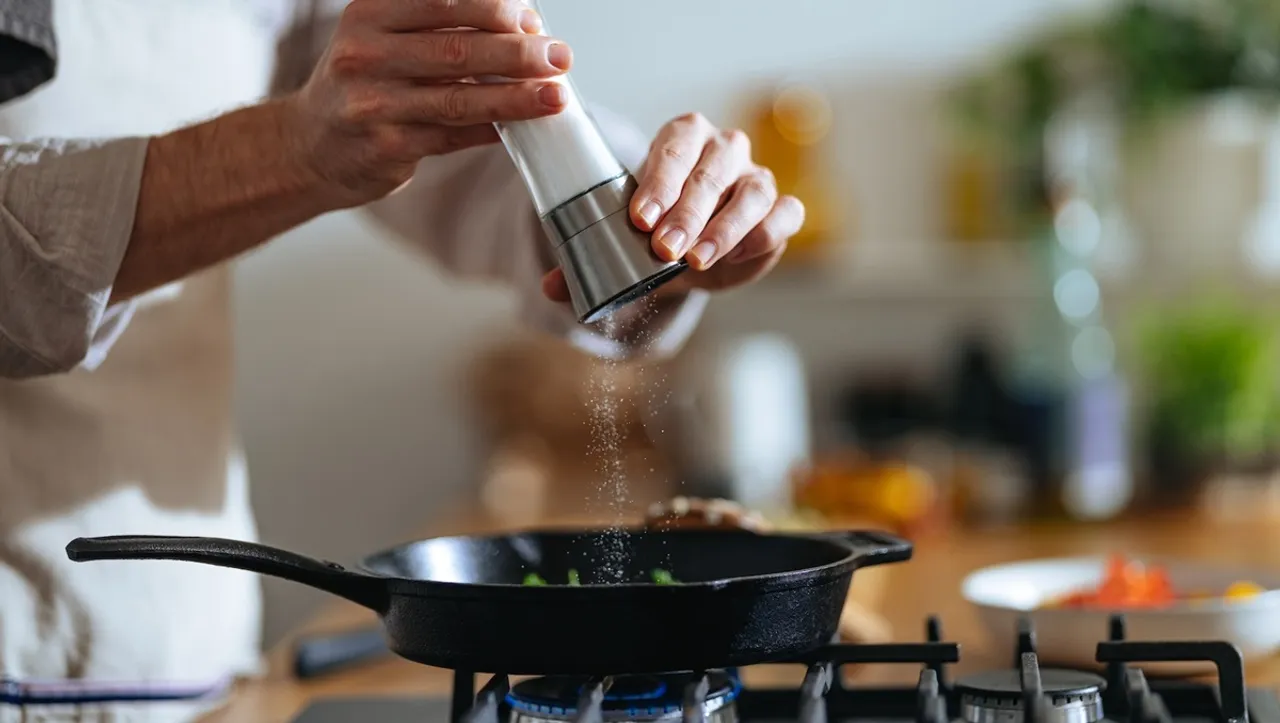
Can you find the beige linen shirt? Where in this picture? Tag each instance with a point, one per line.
(117, 419)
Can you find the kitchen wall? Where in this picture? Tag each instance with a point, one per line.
(348, 346)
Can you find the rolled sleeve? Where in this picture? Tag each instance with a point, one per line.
(66, 214)
(471, 212)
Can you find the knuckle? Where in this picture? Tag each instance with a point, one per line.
(719, 143)
(507, 13)
(363, 108)
(455, 50)
(666, 191)
(695, 121)
(441, 8)
(530, 52)
(737, 139)
(687, 219)
(453, 105)
(708, 180)
(674, 153)
(761, 186)
(349, 58)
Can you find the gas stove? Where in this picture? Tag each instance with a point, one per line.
(1023, 693)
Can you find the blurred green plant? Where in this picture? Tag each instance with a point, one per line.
(1211, 373)
(1150, 57)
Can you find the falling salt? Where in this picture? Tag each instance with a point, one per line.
(607, 438)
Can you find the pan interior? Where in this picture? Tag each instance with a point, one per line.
(605, 558)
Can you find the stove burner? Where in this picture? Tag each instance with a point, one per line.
(553, 699)
(997, 696)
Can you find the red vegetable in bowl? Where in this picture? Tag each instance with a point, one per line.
(1131, 585)
(1126, 584)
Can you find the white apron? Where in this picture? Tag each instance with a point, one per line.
(144, 443)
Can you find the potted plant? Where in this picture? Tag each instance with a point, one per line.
(1213, 401)
(1159, 63)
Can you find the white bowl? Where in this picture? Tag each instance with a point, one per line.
(1069, 637)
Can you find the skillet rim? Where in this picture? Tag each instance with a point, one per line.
(763, 582)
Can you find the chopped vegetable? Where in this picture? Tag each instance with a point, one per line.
(659, 576)
(1129, 585)
(662, 577)
(1243, 591)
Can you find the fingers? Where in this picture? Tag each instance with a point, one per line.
(439, 140)
(458, 104)
(408, 144)
(450, 54)
(555, 287)
(498, 16)
(770, 236)
(705, 188)
(675, 152)
(750, 201)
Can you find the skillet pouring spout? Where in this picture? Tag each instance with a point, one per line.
(366, 590)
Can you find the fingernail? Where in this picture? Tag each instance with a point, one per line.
(703, 253)
(673, 240)
(650, 211)
(551, 95)
(531, 22)
(559, 55)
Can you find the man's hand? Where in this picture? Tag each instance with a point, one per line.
(706, 201)
(395, 85)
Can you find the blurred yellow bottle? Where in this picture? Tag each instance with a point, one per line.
(971, 190)
(787, 129)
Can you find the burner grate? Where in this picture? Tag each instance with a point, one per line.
(1124, 693)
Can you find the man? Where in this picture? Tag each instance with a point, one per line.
(114, 330)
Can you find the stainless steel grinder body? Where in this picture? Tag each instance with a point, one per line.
(607, 261)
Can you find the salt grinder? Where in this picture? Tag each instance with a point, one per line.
(582, 193)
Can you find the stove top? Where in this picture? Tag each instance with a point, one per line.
(1024, 693)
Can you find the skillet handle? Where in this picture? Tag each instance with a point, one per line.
(365, 590)
(877, 548)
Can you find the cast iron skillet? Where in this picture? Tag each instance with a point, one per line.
(460, 602)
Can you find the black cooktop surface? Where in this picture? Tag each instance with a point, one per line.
(1024, 693)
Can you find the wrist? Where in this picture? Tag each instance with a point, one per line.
(294, 133)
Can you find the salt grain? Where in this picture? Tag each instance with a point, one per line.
(613, 494)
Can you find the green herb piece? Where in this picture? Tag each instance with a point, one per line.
(574, 581)
(662, 577)
(533, 579)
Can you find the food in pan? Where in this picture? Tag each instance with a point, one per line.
(659, 577)
(858, 622)
(1132, 585)
(662, 577)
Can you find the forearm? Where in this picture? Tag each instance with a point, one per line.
(212, 191)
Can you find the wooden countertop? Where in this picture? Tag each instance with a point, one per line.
(929, 584)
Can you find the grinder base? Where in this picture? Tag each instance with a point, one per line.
(607, 261)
